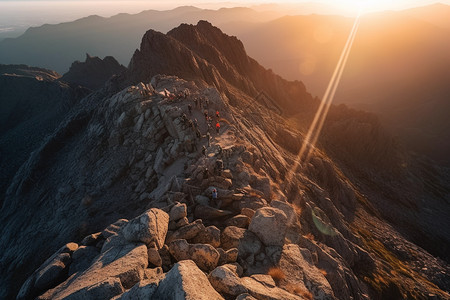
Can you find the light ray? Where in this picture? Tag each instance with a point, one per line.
(320, 116)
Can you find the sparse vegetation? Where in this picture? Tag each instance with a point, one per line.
(300, 291)
(297, 209)
(277, 274)
(401, 277)
(310, 237)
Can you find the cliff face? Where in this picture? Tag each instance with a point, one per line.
(32, 104)
(92, 73)
(126, 182)
(204, 52)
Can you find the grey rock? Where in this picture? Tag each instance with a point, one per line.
(231, 236)
(211, 236)
(91, 239)
(54, 272)
(249, 244)
(141, 290)
(117, 268)
(187, 232)
(82, 258)
(105, 289)
(287, 209)
(184, 281)
(205, 256)
(226, 281)
(178, 211)
(149, 227)
(302, 271)
(153, 257)
(270, 225)
(262, 291)
(179, 249)
(241, 221)
(245, 296)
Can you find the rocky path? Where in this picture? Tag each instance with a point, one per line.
(253, 242)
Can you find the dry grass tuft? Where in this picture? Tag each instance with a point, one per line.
(297, 209)
(299, 291)
(277, 274)
(310, 237)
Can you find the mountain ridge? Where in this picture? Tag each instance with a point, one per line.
(128, 150)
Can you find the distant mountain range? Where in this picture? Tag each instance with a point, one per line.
(361, 218)
(57, 46)
(398, 67)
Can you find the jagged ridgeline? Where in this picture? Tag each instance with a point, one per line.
(168, 182)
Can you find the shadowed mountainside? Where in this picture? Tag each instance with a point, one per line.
(131, 146)
(92, 73)
(32, 104)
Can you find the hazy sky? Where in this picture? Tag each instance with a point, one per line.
(16, 15)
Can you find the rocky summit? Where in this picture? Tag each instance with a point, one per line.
(169, 182)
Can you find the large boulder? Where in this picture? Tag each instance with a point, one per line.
(224, 280)
(52, 272)
(149, 227)
(270, 225)
(187, 232)
(142, 290)
(211, 236)
(231, 236)
(179, 249)
(287, 209)
(260, 289)
(297, 263)
(186, 281)
(116, 269)
(205, 256)
(82, 258)
(103, 289)
(241, 221)
(178, 211)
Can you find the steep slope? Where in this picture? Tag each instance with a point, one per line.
(194, 52)
(32, 104)
(92, 73)
(132, 146)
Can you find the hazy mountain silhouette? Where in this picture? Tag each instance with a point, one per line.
(437, 14)
(57, 46)
(398, 67)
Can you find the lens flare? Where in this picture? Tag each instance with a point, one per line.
(321, 114)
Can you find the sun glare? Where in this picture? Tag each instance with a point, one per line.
(363, 6)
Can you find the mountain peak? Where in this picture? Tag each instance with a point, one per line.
(202, 52)
(93, 72)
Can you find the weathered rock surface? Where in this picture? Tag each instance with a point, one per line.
(262, 291)
(231, 236)
(116, 269)
(211, 235)
(82, 258)
(149, 227)
(272, 218)
(184, 281)
(226, 281)
(298, 264)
